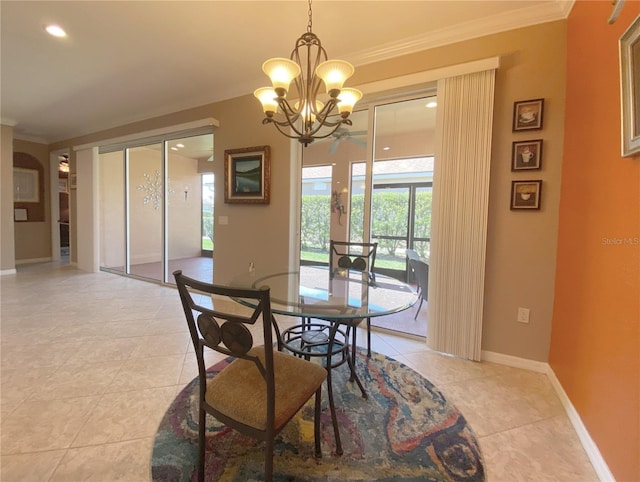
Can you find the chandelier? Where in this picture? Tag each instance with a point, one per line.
(308, 67)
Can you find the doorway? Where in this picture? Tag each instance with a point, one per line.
(60, 200)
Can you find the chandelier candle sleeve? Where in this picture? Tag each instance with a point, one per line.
(310, 117)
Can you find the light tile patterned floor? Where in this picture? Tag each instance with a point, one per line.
(90, 362)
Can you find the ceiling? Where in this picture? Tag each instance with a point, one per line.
(125, 61)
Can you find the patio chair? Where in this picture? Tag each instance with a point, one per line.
(420, 270)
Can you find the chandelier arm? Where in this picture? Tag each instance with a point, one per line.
(279, 124)
(285, 133)
(335, 128)
(326, 110)
(290, 113)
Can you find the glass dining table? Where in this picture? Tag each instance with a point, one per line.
(315, 292)
(340, 299)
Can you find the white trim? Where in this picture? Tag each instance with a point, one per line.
(7, 271)
(516, 362)
(33, 260)
(209, 121)
(430, 75)
(28, 138)
(591, 449)
(598, 462)
(54, 203)
(514, 19)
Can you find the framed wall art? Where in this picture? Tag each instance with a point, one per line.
(26, 185)
(526, 194)
(28, 188)
(63, 185)
(528, 115)
(630, 89)
(526, 155)
(247, 175)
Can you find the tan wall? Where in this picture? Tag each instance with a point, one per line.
(33, 239)
(112, 210)
(257, 233)
(595, 342)
(7, 239)
(521, 247)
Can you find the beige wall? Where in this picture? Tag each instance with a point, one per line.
(7, 239)
(521, 246)
(112, 207)
(33, 239)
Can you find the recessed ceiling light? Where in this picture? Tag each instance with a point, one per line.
(174, 148)
(432, 104)
(386, 148)
(180, 145)
(55, 30)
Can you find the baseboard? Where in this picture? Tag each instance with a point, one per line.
(514, 361)
(7, 271)
(595, 457)
(598, 462)
(32, 260)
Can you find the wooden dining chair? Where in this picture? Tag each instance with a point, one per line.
(262, 389)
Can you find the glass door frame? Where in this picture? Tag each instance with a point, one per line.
(370, 107)
(411, 210)
(125, 147)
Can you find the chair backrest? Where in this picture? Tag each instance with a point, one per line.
(411, 254)
(351, 255)
(420, 270)
(215, 323)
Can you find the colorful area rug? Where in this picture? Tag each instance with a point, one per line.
(404, 431)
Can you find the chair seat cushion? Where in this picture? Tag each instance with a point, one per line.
(240, 392)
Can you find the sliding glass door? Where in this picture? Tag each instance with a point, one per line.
(375, 186)
(152, 203)
(146, 200)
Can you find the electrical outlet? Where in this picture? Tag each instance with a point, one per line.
(523, 315)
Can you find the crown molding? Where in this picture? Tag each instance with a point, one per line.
(8, 122)
(28, 138)
(524, 17)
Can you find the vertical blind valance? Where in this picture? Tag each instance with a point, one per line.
(459, 213)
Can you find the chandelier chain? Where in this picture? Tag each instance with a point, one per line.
(310, 19)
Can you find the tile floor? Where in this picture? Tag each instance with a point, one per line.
(90, 362)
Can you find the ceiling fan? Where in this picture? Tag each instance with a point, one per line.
(342, 133)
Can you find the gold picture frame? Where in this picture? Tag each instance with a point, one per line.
(247, 175)
(630, 88)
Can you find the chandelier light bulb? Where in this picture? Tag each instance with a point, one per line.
(268, 98)
(348, 98)
(281, 71)
(334, 73)
(308, 113)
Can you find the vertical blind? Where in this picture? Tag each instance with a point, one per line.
(459, 213)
